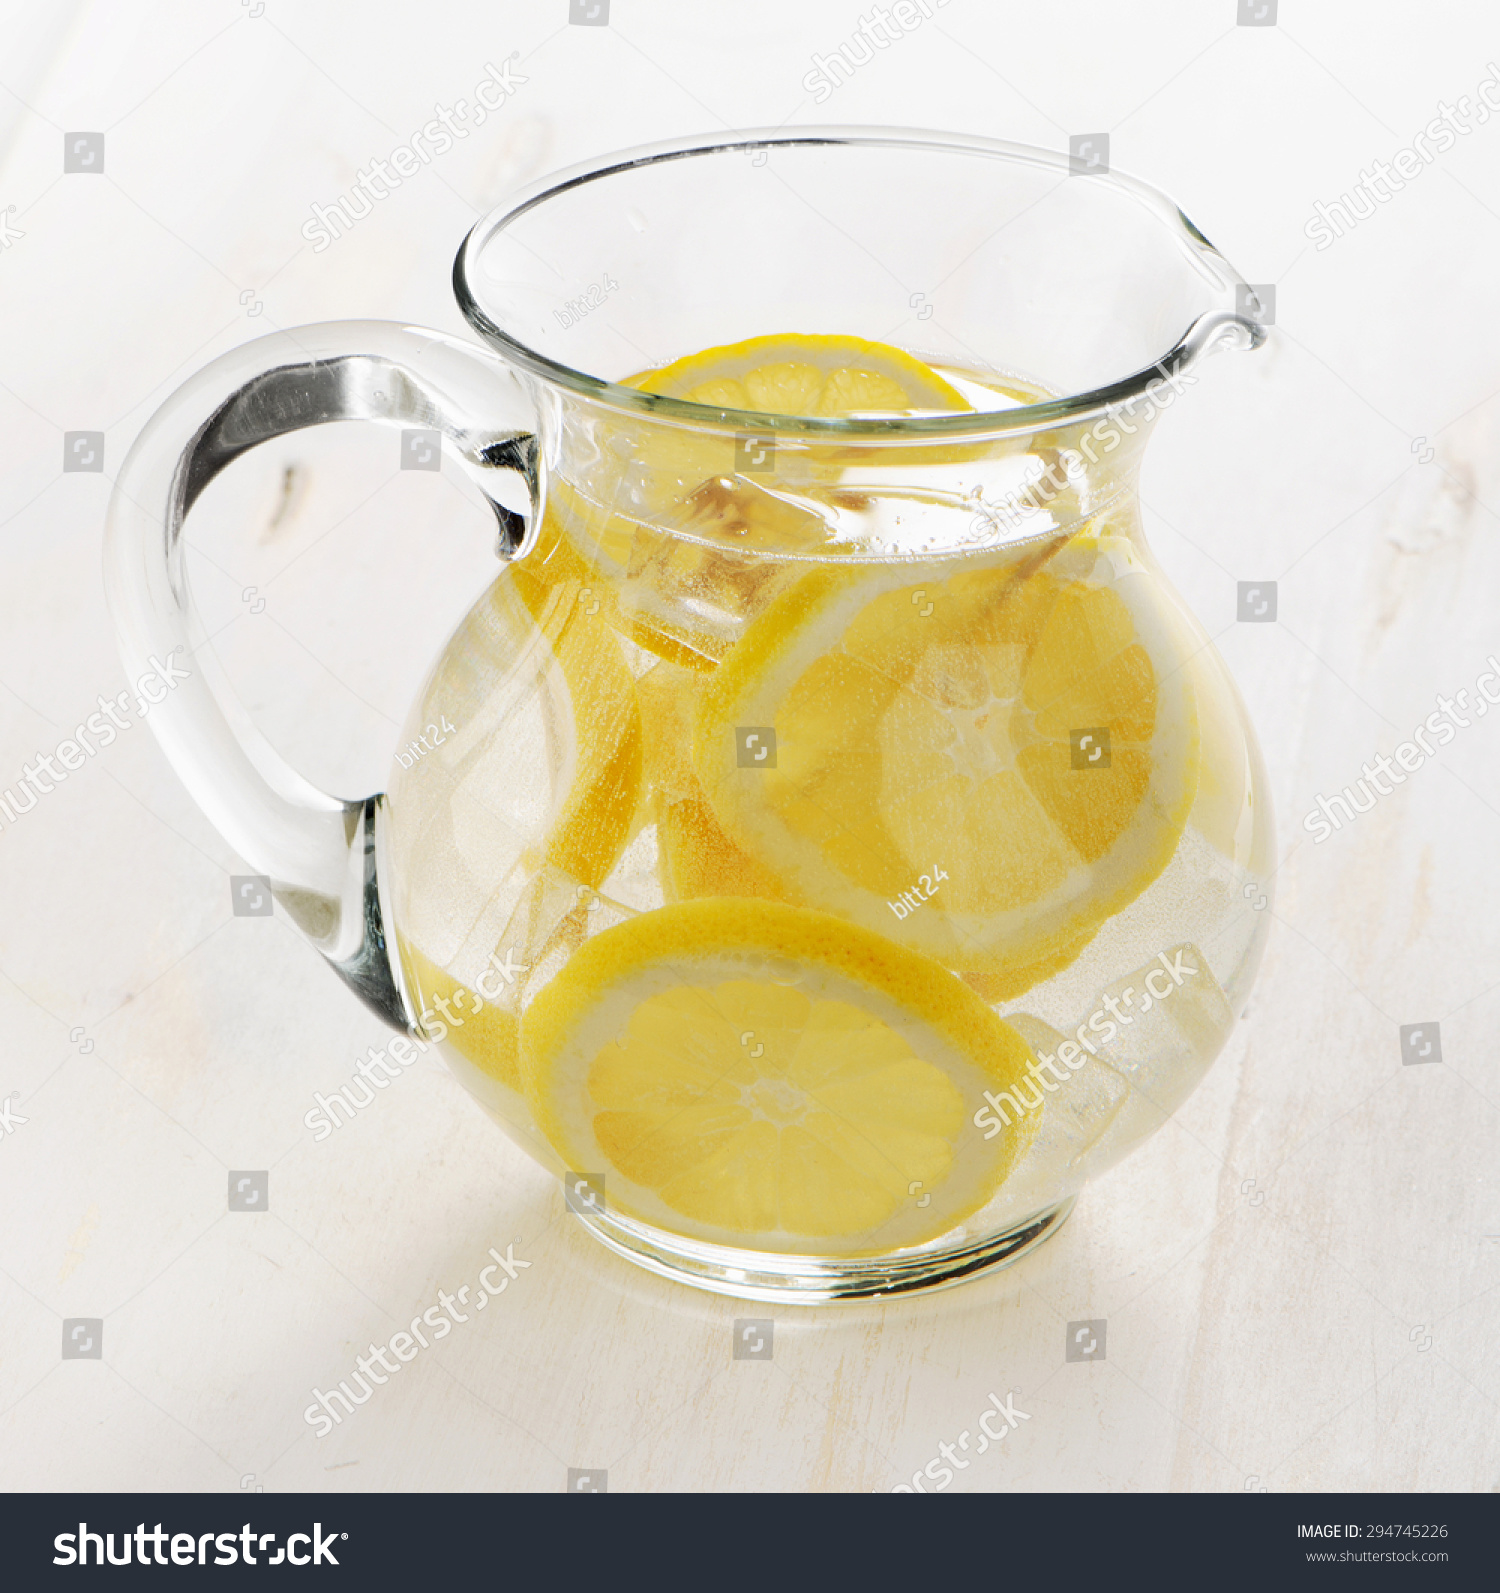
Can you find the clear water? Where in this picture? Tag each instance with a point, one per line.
(670, 559)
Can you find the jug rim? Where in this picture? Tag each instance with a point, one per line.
(1228, 326)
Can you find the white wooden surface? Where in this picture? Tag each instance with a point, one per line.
(1341, 1332)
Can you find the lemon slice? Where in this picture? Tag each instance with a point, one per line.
(771, 1077)
(668, 699)
(794, 373)
(696, 857)
(671, 526)
(595, 818)
(699, 859)
(479, 1030)
(928, 781)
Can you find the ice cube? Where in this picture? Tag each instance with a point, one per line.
(1171, 1020)
(1076, 1113)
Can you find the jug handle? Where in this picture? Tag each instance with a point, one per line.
(318, 850)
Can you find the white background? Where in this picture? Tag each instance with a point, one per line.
(1343, 1332)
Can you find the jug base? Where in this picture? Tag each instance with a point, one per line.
(808, 1280)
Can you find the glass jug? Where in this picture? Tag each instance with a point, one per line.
(828, 842)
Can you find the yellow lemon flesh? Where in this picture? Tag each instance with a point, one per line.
(986, 775)
(771, 1077)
